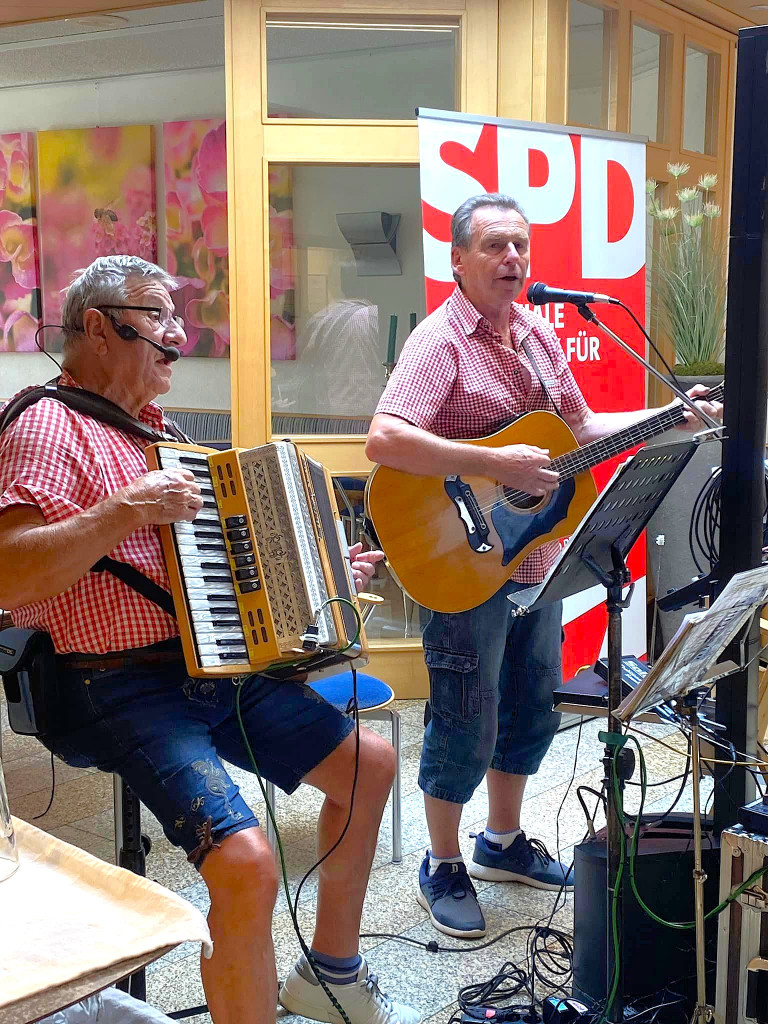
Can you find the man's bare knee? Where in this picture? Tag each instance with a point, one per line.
(242, 872)
(378, 764)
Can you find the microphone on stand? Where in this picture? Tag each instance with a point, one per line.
(539, 294)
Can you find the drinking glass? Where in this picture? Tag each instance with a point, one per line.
(9, 854)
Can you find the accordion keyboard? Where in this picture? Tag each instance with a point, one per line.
(201, 547)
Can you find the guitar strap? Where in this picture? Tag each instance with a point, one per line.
(100, 408)
(535, 365)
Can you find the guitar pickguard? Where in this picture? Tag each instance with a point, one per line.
(468, 511)
(517, 530)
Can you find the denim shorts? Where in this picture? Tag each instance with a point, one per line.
(166, 733)
(491, 677)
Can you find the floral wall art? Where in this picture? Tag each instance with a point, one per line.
(19, 274)
(282, 270)
(99, 191)
(195, 155)
(96, 198)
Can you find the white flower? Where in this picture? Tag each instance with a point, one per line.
(687, 195)
(678, 170)
(667, 212)
(694, 220)
(710, 210)
(650, 186)
(707, 182)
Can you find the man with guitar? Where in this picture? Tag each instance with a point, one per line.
(476, 363)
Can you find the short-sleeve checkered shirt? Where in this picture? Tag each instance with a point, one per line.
(457, 379)
(62, 462)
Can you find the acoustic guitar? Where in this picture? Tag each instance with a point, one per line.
(452, 542)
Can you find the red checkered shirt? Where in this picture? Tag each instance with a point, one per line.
(62, 462)
(457, 379)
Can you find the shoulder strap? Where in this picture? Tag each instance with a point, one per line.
(90, 404)
(100, 408)
(137, 580)
(535, 365)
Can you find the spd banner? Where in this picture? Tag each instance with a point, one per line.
(584, 194)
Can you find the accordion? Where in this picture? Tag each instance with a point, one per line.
(262, 578)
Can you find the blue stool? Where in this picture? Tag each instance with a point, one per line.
(374, 699)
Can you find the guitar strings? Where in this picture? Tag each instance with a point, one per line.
(575, 462)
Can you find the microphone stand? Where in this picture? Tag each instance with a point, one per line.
(591, 317)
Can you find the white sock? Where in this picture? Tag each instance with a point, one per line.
(435, 862)
(502, 839)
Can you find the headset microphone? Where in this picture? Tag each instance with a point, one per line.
(129, 333)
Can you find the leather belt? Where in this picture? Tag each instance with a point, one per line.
(154, 655)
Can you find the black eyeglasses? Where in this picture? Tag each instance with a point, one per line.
(163, 317)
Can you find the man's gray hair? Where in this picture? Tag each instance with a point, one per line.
(105, 283)
(461, 222)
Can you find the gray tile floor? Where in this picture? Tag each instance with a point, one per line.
(81, 814)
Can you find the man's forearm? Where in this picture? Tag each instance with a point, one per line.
(599, 424)
(41, 560)
(413, 450)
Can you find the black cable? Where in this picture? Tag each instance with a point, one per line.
(53, 791)
(293, 907)
(42, 327)
(652, 343)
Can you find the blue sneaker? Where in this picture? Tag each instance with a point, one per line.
(526, 860)
(450, 899)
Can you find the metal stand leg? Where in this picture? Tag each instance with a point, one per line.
(130, 852)
(389, 714)
(703, 1012)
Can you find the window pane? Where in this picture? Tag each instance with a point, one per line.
(588, 71)
(327, 70)
(396, 617)
(335, 291)
(647, 117)
(700, 107)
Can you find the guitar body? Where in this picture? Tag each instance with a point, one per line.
(453, 542)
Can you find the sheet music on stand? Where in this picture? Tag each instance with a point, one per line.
(690, 658)
(613, 524)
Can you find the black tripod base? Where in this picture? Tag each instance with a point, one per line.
(654, 957)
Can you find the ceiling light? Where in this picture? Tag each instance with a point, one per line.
(98, 21)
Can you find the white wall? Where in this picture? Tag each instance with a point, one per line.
(132, 99)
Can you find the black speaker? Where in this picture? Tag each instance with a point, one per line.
(653, 956)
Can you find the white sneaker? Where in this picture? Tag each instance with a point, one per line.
(362, 1000)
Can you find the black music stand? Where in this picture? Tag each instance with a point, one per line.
(597, 552)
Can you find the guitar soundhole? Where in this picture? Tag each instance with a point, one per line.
(524, 502)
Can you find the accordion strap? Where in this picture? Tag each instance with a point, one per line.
(99, 408)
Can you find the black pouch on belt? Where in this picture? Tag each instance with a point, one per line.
(28, 669)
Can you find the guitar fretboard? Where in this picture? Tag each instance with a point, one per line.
(592, 454)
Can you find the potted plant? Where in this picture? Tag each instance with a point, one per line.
(689, 264)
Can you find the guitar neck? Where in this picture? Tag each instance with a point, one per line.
(592, 454)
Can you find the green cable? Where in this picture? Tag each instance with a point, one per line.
(679, 925)
(291, 910)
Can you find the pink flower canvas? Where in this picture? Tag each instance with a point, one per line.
(196, 230)
(282, 264)
(19, 273)
(96, 198)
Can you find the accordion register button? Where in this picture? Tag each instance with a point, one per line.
(244, 560)
(231, 521)
(250, 587)
(246, 574)
(243, 534)
(241, 546)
